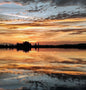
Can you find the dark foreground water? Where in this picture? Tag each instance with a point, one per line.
(46, 69)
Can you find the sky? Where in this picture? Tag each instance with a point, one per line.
(43, 21)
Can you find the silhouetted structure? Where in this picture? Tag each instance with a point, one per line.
(26, 46)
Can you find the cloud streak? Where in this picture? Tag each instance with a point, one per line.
(42, 21)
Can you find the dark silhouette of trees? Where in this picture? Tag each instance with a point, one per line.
(26, 46)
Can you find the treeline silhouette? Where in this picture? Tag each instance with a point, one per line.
(26, 46)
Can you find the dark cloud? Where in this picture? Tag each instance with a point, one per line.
(69, 30)
(76, 33)
(67, 15)
(73, 31)
(57, 2)
(69, 2)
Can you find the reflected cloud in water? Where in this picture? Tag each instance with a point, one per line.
(44, 69)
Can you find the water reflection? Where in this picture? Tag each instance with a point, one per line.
(43, 69)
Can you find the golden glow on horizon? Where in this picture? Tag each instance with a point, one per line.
(66, 30)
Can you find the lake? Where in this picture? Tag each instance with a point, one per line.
(43, 69)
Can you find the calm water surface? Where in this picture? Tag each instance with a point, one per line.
(43, 69)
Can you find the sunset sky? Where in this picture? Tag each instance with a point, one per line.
(47, 22)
